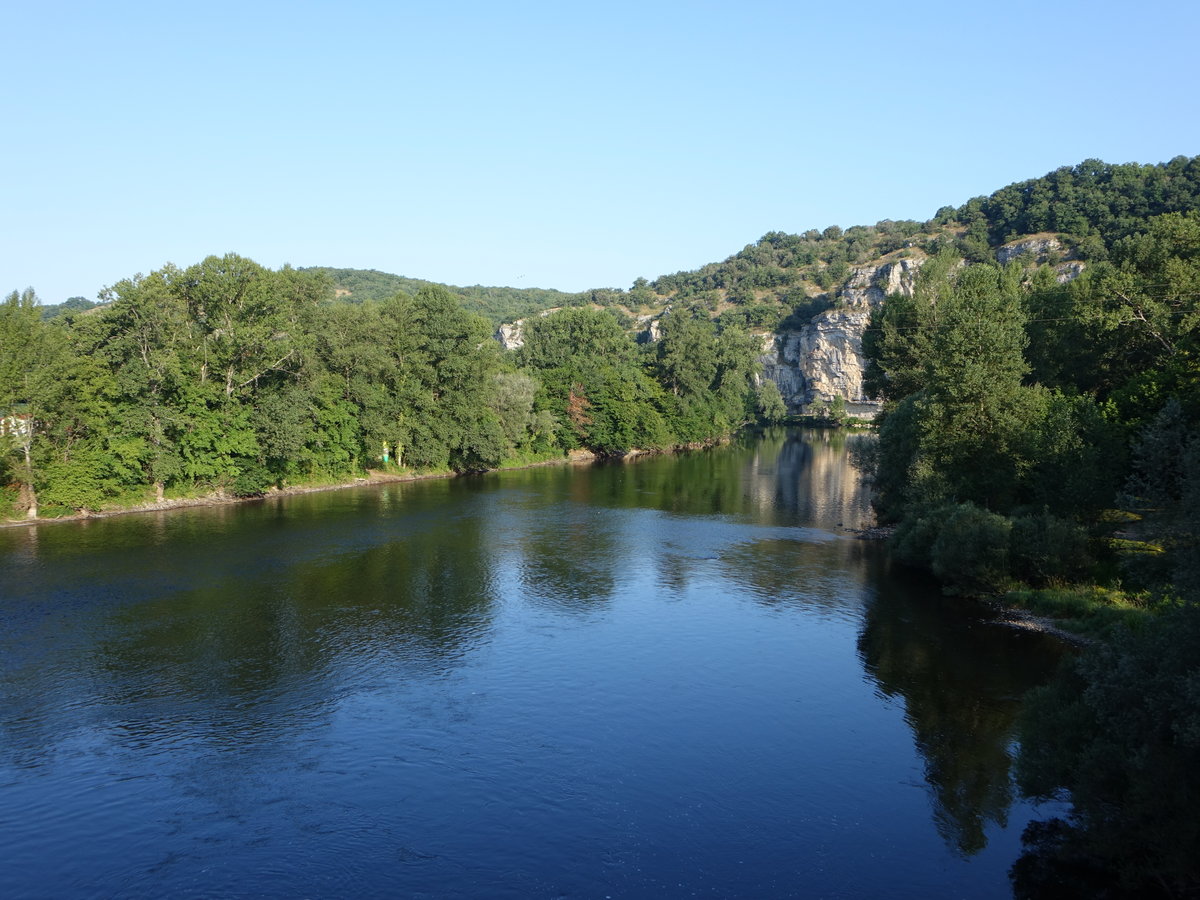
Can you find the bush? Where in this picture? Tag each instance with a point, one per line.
(252, 480)
(971, 551)
(915, 536)
(1044, 548)
(9, 493)
(77, 483)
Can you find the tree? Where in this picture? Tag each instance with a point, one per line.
(28, 353)
(1120, 729)
(686, 353)
(195, 354)
(451, 419)
(512, 400)
(770, 405)
(898, 343)
(965, 431)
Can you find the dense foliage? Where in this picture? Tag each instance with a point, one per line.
(1047, 432)
(782, 280)
(498, 304)
(229, 377)
(1094, 202)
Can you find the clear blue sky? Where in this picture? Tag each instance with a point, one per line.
(546, 144)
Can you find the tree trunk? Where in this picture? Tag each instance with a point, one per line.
(28, 499)
(28, 494)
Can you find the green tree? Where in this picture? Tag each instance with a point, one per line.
(1119, 729)
(965, 432)
(770, 405)
(593, 382)
(899, 342)
(194, 352)
(29, 353)
(452, 419)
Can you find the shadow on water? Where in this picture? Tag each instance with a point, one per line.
(961, 680)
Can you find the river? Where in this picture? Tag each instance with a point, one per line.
(672, 677)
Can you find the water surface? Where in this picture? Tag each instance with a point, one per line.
(681, 676)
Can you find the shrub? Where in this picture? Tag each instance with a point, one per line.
(971, 551)
(915, 536)
(252, 480)
(1044, 548)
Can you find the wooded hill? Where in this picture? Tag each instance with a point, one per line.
(782, 279)
(497, 304)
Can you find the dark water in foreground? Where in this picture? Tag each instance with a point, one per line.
(675, 677)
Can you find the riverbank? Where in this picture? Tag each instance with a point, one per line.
(1080, 615)
(1090, 612)
(1021, 619)
(373, 476)
(220, 498)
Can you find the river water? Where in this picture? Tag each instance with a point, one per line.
(679, 676)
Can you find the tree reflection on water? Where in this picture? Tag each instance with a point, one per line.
(961, 680)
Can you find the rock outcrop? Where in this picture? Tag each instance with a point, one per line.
(1037, 248)
(511, 337)
(1068, 271)
(650, 327)
(1042, 249)
(871, 285)
(824, 359)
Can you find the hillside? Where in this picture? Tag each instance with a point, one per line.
(782, 280)
(812, 296)
(498, 304)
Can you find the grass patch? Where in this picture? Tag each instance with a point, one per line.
(55, 511)
(1091, 611)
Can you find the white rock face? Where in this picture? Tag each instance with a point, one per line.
(824, 359)
(870, 285)
(650, 327)
(511, 336)
(1037, 249)
(1068, 271)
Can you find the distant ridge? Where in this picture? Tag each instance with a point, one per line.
(499, 304)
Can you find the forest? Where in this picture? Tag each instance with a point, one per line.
(1040, 441)
(1040, 445)
(227, 378)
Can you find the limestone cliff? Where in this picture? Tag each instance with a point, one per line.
(511, 337)
(824, 358)
(1036, 248)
